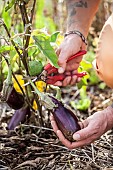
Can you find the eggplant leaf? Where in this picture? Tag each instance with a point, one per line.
(54, 36)
(6, 48)
(10, 5)
(45, 47)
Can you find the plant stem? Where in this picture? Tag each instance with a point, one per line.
(14, 45)
(47, 102)
(40, 111)
(11, 39)
(27, 27)
(36, 90)
(28, 23)
(9, 77)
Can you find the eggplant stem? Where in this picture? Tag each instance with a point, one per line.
(46, 100)
(58, 91)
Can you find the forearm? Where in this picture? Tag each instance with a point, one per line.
(80, 14)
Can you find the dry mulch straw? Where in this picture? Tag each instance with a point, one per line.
(31, 147)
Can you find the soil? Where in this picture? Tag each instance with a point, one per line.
(34, 147)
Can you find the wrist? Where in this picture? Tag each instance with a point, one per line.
(75, 39)
(81, 26)
(78, 33)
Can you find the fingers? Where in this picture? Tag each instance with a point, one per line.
(62, 59)
(59, 133)
(68, 144)
(91, 129)
(63, 56)
(73, 145)
(72, 65)
(53, 124)
(83, 137)
(64, 140)
(69, 68)
(68, 81)
(73, 80)
(81, 143)
(70, 46)
(65, 82)
(83, 133)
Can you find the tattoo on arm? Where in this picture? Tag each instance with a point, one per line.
(71, 21)
(72, 12)
(72, 9)
(73, 5)
(81, 4)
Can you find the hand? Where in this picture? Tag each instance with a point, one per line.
(70, 46)
(91, 128)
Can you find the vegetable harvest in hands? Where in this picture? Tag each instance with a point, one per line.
(65, 119)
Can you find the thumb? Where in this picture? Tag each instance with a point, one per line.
(62, 59)
(82, 134)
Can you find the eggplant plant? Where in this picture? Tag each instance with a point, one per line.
(26, 52)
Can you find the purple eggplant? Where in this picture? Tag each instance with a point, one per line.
(20, 116)
(66, 120)
(14, 99)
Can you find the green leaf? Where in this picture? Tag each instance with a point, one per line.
(35, 67)
(7, 18)
(84, 102)
(18, 41)
(45, 47)
(54, 36)
(6, 48)
(83, 81)
(83, 94)
(85, 65)
(90, 56)
(102, 85)
(10, 5)
(93, 79)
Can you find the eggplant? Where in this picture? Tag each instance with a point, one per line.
(20, 116)
(66, 120)
(14, 99)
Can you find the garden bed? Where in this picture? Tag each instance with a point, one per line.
(37, 148)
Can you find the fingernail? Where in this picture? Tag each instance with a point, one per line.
(52, 122)
(60, 70)
(76, 137)
(51, 114)
(51, 117)
(79, 79)
(58, 131)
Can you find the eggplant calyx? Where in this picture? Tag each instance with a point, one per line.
(47, 102)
